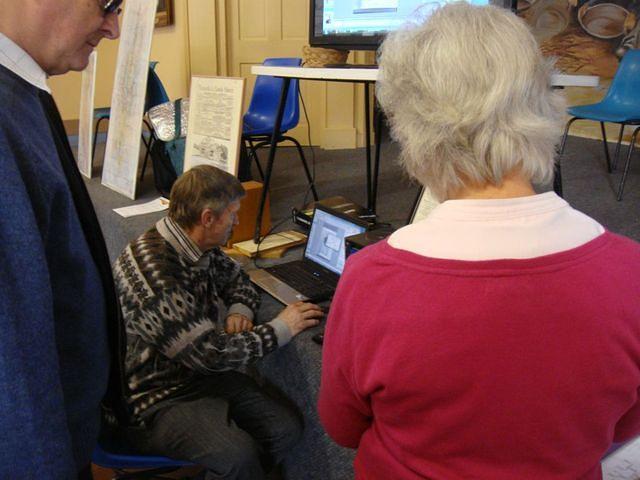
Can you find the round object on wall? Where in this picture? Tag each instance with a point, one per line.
(603, 20)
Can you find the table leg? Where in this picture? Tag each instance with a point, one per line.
(272, 154)
(557, 179)
(367, 136)
(377, 135)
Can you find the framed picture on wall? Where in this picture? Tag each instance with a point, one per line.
(164, 14)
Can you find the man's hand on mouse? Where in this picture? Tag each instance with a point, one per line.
(300, 316)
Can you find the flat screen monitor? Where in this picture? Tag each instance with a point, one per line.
(362, 24)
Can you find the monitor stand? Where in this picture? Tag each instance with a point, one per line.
(349, 65)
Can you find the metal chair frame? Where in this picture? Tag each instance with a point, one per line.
(153, 82)
(628, 162)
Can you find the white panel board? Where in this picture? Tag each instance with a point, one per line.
(127, 102)
(85, 131)
(214, 130)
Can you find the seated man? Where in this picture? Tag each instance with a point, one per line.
(188, 310)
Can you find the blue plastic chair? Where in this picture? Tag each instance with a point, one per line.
(259, 120)
(145, 466)
(155, 95)
(620, 105)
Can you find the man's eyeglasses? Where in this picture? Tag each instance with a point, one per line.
(111, 6)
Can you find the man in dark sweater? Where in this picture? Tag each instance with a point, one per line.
(57, 301)
(189, 314)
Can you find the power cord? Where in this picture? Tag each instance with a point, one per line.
(257, 257)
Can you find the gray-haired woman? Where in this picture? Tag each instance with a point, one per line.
(498, 338)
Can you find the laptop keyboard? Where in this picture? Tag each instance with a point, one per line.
(306, 280)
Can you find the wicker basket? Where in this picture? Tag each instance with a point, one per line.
(319, 57)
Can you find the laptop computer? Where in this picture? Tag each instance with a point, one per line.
(315, 277)
(422, 206)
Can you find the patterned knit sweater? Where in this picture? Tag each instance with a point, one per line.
(175, 300)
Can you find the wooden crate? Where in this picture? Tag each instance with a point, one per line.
(249, 212)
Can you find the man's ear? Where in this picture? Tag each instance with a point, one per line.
(208, 218)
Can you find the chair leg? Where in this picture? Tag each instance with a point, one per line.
(306, 167)
(253, 154)
(617, 152)
(557, 177)
(606, 148)
(244, 162)
(95, 138)
(150, 129)
(144, 140)
(627, 163)
(147, 145)
(147, 124)
(146, 157)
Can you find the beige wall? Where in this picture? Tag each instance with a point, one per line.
(170, 47)
(241, 33)
(227, 37)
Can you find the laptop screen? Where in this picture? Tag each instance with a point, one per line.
(326, 239)
(424, 203)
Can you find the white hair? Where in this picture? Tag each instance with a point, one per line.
(468, 97)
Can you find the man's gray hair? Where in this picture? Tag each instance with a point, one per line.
(202, 187)
(468, 97)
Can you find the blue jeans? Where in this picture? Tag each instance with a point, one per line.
(234, 429)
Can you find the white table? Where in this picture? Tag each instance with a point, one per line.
(371, 75)
(366, 76)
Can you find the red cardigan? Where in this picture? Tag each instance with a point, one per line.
(501, 369)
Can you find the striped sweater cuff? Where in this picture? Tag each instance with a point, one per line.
(241, 309)
(282, 331)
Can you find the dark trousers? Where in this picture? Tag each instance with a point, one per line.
(234, 431)
(85, 473)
